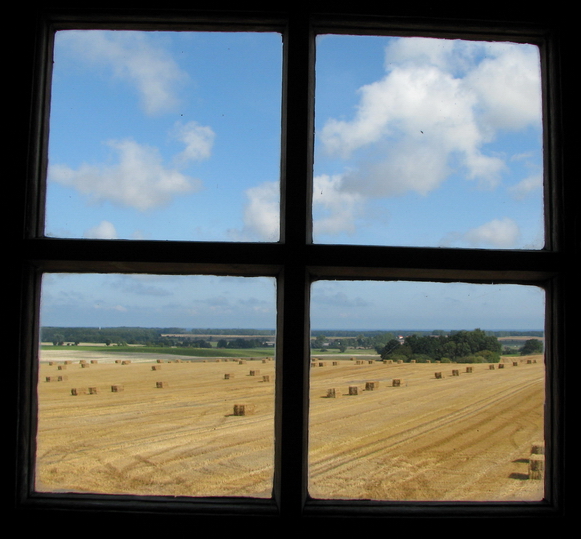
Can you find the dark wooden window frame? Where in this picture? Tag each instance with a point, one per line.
(295, 261)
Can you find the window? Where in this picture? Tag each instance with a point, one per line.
(295, 261)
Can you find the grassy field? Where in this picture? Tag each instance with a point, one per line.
(458, 437)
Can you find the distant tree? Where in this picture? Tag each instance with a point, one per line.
(532, 346)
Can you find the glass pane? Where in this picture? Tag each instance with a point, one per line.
(145, 387)
(428, 142)
(426, 392)
(165, 136)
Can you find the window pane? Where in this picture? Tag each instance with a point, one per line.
(165, 136)
(428, 142)
(145, 388)
(426, 391)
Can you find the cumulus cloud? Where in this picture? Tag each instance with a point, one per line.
(434, 103)
(105, 230)
(261, 214)
(132, 58)
(335, 209)
(139, 180)
(198, 140)
(530, 184)
(434, 111)
(498, 233)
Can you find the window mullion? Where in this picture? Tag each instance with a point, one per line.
(290, 486)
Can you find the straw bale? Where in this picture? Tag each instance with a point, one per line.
(536, 466)
(117, 388)
(538, 448)
(244, 409)
(161, 385)
(438, 374)
(370, 386)
(353, 390)
(396, 382)
(333, 393)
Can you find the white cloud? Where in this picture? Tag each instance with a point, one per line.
(261, 214)
(498, 233)
(334, 209)
(198, 140)
(530, 184)
(139, 180)
(105, 230)
(132, 58)
(438, 105)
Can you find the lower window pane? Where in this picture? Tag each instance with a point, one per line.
(426, 391)
(144, 387)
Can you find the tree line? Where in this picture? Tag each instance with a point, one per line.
(461, 347)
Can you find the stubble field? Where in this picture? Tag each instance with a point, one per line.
(464, 437)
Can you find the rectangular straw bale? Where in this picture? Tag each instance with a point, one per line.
(244, 409)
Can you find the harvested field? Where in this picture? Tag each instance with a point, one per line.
(465, 437)
(460, 437)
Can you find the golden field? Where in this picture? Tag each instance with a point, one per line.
(458, 437)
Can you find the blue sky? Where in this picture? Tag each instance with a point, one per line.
(176, 136)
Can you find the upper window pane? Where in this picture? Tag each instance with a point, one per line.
(165, 136)
(428, 142)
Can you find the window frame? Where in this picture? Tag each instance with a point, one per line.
(295, 261)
